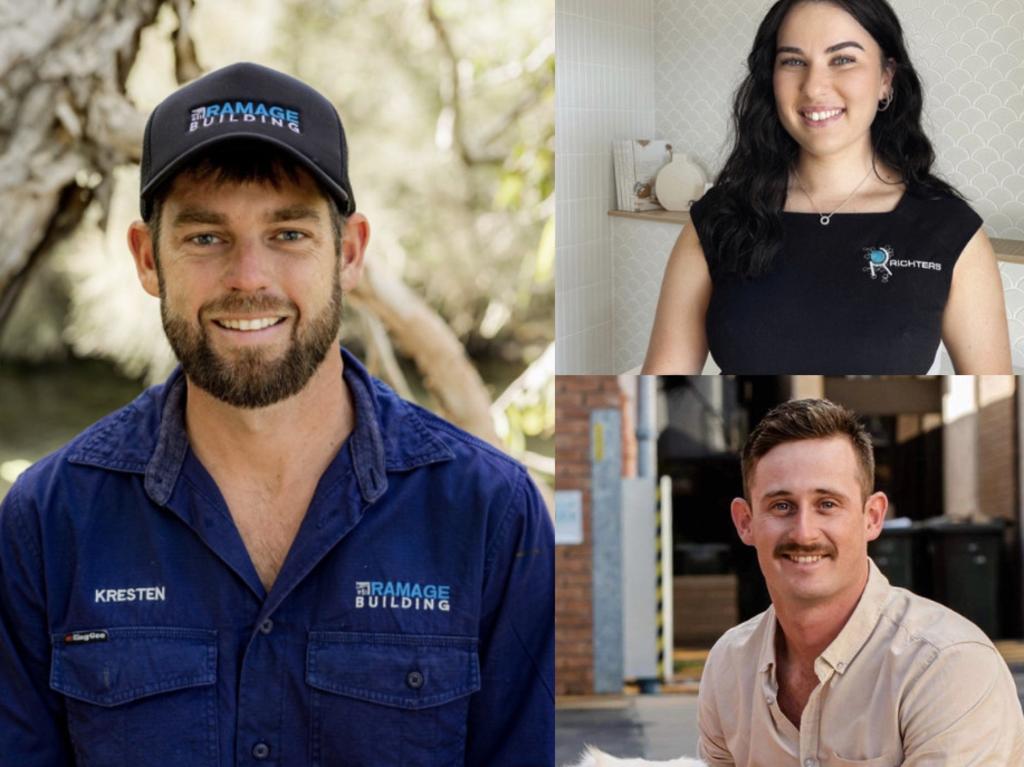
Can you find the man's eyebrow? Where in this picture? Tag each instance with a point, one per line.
(197, 216)
(205, 216)
(832, 49)
(293, 213)
(784, 492)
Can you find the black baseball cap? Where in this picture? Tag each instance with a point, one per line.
(252, 102)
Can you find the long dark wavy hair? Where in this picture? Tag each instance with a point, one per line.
(742, 227)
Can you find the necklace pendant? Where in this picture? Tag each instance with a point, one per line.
(825, 220)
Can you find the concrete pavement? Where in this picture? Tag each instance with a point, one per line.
(649, 726)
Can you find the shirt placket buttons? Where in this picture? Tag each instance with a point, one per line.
(267, 626)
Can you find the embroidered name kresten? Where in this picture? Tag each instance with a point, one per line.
(401, 595)
(137, 594)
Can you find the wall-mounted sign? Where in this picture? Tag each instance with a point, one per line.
(569, 517)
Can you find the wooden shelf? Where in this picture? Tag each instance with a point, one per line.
(1009, 251)
(661, 216)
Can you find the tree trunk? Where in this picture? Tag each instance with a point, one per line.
(423, 335)
(64, 120)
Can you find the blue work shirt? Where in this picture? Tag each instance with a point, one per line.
(412, 622)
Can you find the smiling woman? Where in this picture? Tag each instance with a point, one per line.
(827, 244)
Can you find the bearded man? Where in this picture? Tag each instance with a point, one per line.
(271, 558)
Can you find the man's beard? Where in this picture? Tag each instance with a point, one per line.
(249, 380)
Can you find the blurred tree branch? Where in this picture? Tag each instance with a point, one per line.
(186, 63)
(453, 95)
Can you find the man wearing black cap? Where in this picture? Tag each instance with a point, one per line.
(271, 558)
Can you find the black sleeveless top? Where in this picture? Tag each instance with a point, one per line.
(863, 295)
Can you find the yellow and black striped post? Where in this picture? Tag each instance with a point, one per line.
(663, 580)
(659, 586)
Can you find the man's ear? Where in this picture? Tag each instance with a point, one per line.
(354, 240)
(140, 241)
(875, 509)
(743, 519)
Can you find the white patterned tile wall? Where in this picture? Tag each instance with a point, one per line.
(1013, 290)
(641, 250)
(969, 55)
(604, 90)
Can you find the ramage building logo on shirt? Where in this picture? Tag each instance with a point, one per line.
(402, 595)
(250, 111)
(882, 260)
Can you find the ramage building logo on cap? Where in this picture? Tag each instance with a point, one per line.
(236, 111)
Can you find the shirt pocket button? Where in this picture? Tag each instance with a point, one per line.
(414, 679)
(261, 751)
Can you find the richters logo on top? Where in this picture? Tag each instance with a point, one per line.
(244, 112)
(881, 261)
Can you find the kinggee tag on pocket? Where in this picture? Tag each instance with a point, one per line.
(85, 637)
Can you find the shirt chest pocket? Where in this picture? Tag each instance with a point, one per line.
(392, 699)
(140, 696)
(881, 761)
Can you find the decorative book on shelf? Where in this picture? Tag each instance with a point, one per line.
(637, 162)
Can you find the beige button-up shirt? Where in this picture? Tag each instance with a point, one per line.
(907, 682)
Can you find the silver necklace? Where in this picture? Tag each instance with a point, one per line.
(826, 219)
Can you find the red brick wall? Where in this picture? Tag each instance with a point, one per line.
(997, 454)
(575, 397)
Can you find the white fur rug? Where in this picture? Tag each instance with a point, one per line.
(592, 757)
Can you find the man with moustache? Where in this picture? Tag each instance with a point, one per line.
(271, 558)
(843, 669)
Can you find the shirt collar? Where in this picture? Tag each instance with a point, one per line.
(844, 648)
(766, 658)
(862, 622)
(389, 435)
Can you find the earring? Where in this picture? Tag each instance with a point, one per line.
(888, 100)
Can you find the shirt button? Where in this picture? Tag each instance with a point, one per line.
(414, 679)
(267, 626)
(261, 751)
(810, 762)
(840, 665)
(770, 700)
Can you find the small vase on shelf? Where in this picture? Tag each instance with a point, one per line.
(679, 183)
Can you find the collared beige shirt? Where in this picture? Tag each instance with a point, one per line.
(907, 682)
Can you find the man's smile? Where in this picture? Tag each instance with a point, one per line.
(248, 325)
(804, 563)
(804, 559)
